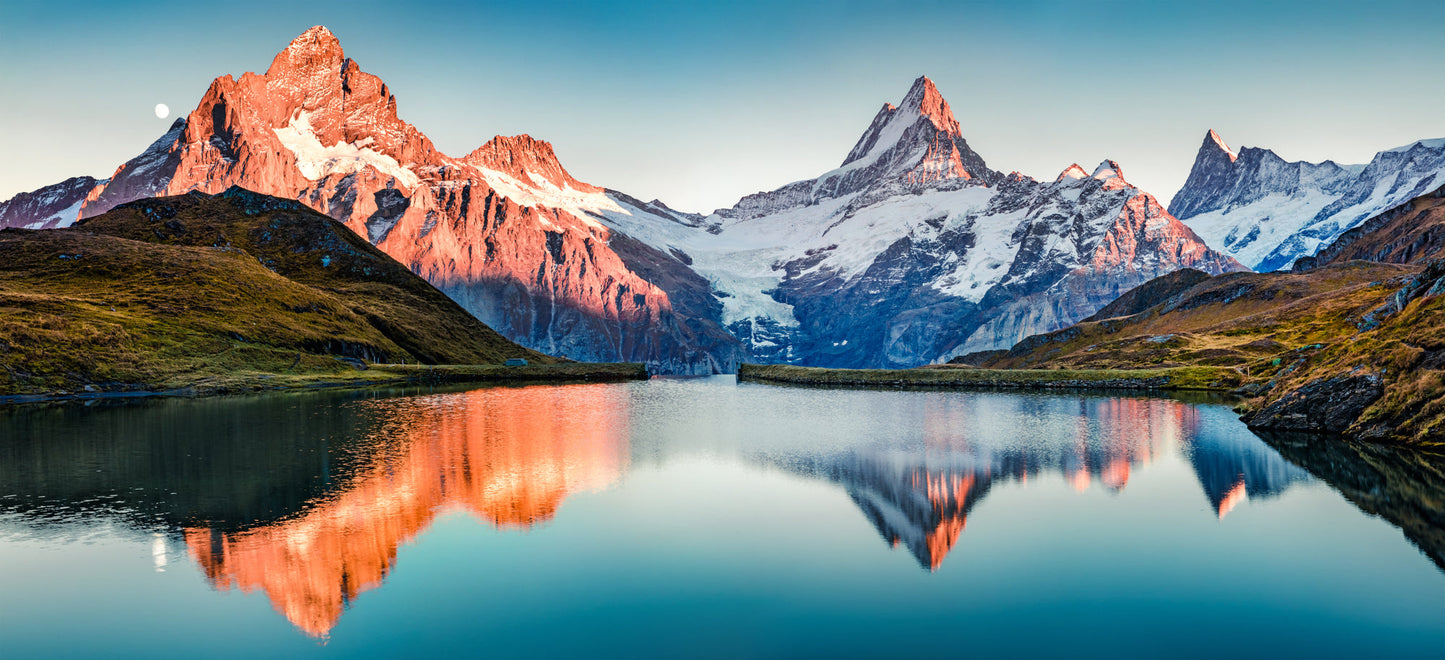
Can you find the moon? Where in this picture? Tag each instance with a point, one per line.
(162, 111)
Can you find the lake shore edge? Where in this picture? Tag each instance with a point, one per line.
(1214, 379)
(371, 376)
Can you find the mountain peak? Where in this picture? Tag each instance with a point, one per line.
(316, 36)
(316, 48)
(894, 125)
(923, 98)
(1072, 172)
(1108, 170)
(527, 160)
(1214, 138)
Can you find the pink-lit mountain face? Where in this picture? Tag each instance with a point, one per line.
(912, 251)
(504, 230)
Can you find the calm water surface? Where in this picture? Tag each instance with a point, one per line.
(706, 518)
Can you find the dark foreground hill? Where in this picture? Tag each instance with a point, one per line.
(198, 289)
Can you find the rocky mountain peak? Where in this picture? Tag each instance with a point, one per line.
(912, 146)
(923, 98)
(526, 159)
(1073, 172)
(1108, 171)
(315, 51)
(1213, 138)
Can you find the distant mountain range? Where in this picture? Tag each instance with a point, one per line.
(1351, 341)
(1268, 213)
(912, 251)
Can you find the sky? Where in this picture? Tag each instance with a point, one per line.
(700, 103)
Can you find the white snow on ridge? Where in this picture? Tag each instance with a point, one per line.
(1277, 217)
(739, 261)
(901, 120)
(317, 161)
(545, 193)
(1428, 144)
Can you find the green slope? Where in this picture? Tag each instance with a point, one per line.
(200, 290)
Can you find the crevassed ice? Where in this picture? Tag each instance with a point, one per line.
(317, 161)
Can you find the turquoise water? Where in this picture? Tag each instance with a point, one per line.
(706, 518)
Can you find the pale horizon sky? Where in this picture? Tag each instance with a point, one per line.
(700, 104)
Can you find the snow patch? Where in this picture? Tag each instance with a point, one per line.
(1437, 143)
(545, 193)
(317, 161)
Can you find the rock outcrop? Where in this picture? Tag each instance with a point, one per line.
(1327, 404)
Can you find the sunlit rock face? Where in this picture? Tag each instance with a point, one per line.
(1267, 212)
(505, 230)
(505, 456)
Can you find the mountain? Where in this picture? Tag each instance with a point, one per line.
(913, 250)
(56, 205)
(1413, 232)
(503, 230)
(172, 292)
(1267, 212)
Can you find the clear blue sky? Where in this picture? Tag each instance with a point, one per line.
(700, 103)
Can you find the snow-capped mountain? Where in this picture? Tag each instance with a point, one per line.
(56, 205)
(911, 251)
(914, 251)
(1266, 212)
(504, 230)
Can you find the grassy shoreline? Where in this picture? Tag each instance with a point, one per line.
(1220, 379)
(391, 374)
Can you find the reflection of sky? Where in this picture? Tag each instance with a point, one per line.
(700, 103)
(710, 541)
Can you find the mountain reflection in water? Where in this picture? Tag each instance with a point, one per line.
(921, 500)
(308, 498)
(506, 456)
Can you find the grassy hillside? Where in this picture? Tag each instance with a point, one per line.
(203, 291)
(1355, 348)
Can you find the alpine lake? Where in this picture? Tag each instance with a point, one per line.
(707, 518)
